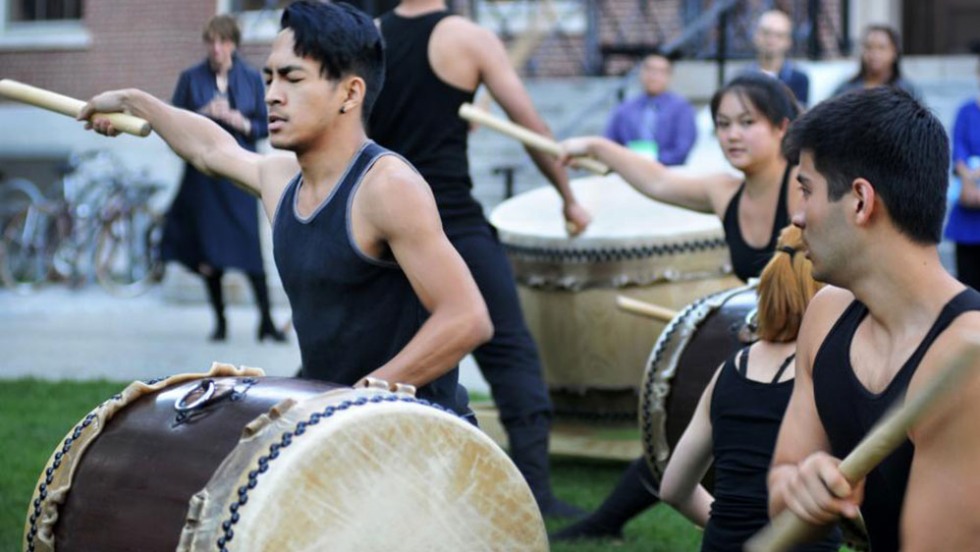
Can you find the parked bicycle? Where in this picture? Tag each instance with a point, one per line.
(100, 229)
(15, 195)
(128, 257)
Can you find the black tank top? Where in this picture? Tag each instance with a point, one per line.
(848, 411)
(747, 261)
(416, 115)
(745, 418)
(352, 313)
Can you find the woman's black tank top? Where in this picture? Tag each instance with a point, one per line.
(352, 313)
(747, 261)
(416, 115)
(745, 419)
(848, 411)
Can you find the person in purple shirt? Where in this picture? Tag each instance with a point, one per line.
(658, 122)
(963, 226)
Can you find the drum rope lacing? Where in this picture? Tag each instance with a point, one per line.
(680, 322)
(287, 438)
(49, 477)
(613, 254)
(58, 456)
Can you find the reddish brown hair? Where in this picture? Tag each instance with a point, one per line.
(785, 288)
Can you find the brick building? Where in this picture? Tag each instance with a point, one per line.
(80, 47)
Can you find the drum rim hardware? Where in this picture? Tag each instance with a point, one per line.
(402, 389)
(657, 379)
(210, 393)
(207, 388)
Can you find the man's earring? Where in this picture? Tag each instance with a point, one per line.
(343, 108)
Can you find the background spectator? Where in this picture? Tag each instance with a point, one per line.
(881, 56)
(212, 225)
(963, 226)
(658, 122)
(773, 39)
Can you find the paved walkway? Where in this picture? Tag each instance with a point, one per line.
(58, 333)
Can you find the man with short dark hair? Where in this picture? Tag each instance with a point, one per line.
(375, 287)
(658, 122)
(873, 168)
(436, 62)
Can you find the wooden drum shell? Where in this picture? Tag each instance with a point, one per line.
(684, 359)
(112, 481)
(594, 354)
(280, 464)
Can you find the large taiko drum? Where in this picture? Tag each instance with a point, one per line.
(594, 354)
(232, 460)
(685, 357)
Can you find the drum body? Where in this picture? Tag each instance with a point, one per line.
(687, 354)
(593, 353)
(236, 461)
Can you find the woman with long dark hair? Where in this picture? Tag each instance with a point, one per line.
(751, 115)
(881, 61)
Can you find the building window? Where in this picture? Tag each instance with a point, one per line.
(43, 25)
(258, 19)
(508, 18)
(255, 5)
(45, 10)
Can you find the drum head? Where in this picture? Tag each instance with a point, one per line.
(366, 470)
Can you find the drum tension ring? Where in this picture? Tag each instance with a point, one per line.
(208, 392)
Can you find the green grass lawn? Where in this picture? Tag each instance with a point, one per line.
(36, 415)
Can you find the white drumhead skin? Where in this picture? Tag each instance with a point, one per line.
(386, 476)
(620, 215)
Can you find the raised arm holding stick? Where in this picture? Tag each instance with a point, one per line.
(376, 288)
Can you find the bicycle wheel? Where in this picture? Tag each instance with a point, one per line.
(26, 251)
(16, 195)
(127, 258)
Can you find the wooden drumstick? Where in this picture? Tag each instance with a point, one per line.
(643, 308)
(527, 137)
(66, 105)
(891, 431)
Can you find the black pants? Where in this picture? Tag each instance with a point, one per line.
(968, 264)
(509, 362)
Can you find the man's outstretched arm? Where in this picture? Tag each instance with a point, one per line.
(195, 138)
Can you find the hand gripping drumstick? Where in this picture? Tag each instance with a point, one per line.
(643, 308)
(68, 106)
(527, 137)
(890, 432)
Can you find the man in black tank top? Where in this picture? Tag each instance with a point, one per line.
(435, 63)
(375, 286)
(874, 171)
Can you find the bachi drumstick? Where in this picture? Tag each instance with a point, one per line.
(890, 432)
(527, 137)
(66, 105)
